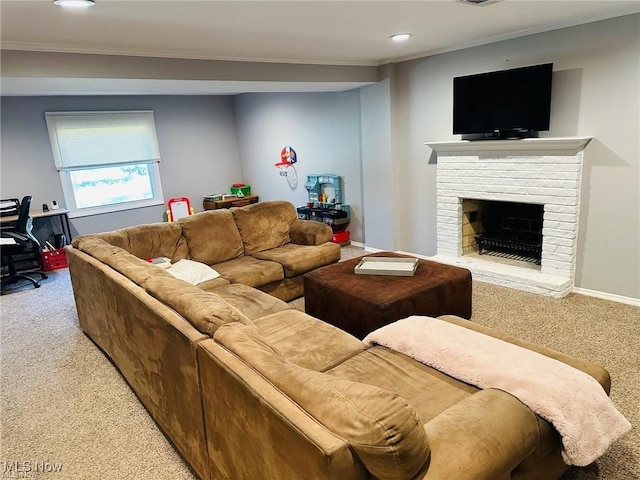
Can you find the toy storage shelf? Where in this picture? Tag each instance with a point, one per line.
(231, 202)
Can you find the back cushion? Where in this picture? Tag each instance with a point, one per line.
(150, 240)
(264, 225)
(212, 236)
(132, 267)
(380, 427)
(206, 311)
(96, 246)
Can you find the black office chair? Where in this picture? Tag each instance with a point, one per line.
(25, 244)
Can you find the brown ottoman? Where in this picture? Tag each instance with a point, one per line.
(360, 304)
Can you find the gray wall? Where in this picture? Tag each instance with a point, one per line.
(323, 129)
(377, 165)
(595, 93)
(196, 136)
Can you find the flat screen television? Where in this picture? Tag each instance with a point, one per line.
(503, 104)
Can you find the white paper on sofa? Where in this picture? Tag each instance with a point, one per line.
(570, 399)
(192, 272)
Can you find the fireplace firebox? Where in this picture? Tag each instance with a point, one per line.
(504, 229)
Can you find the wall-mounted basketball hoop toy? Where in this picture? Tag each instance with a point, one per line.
(287, 158)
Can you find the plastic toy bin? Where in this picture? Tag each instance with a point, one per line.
(340, 237)
(53, 259)
(237, 188)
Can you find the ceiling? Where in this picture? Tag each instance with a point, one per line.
(302, 32)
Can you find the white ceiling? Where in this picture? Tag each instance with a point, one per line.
(316, 32)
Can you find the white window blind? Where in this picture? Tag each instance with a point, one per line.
(92, 139)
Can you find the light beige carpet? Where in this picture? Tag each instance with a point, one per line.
(62, 402)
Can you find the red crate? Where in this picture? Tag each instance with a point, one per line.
(53, 259)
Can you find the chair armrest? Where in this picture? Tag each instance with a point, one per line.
(17, 236)
(309, 232)
(485, 436)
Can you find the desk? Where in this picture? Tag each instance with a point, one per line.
(61, 213)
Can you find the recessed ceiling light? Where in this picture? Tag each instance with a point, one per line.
(400, 37)
(74, 3)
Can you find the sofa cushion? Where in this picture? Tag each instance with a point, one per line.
(212, 285)
(206, 311)
(428, 391)
(251, 302)
(299, 259)
(295, 334)
(250, 271)
(381, 428)
(305, 232)
(96, 246)
(264, 225)
(212, 236)
(132, 267)
(150, 241)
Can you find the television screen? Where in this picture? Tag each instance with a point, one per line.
(503, 103)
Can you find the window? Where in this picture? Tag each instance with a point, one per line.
(107, 161)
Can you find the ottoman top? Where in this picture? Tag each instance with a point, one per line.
(385, 288)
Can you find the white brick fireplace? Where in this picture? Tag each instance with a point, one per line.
(543, 171)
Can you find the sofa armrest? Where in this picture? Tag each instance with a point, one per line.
(596, 371)
(485, 436)
(309, 232)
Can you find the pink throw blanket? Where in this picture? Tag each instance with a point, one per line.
(571, 400)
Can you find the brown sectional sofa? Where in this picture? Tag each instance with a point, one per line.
(248, 388)
(375, 415)
(149, 323)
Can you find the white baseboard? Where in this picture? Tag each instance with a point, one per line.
(357, 244)
(608, 296)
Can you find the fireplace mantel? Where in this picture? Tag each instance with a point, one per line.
(564, 144)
